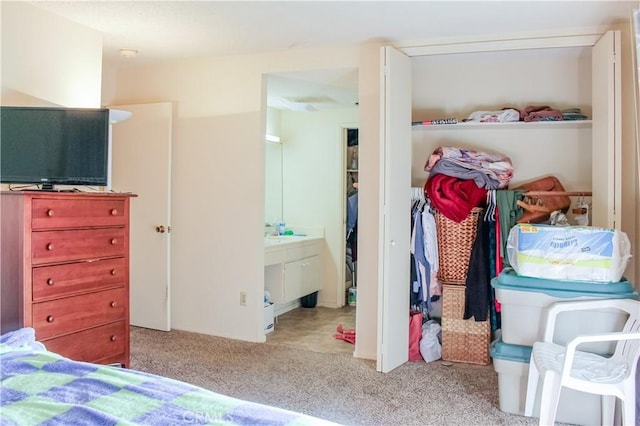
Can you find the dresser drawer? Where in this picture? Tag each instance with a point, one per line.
(73, 313)
(93, 344)
(63, 280)
(78, 244)
(77, 213)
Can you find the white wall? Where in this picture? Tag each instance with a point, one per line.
(457, 85)
(313, 177)
(48, 60)
(218, 179)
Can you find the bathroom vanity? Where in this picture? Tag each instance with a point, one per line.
(292, 269)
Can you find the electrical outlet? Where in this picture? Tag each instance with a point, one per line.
(243, 298)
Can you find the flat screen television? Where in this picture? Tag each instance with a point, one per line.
(50, 146)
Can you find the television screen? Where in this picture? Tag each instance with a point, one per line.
(54, 146)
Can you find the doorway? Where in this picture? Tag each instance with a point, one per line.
(350, 142)
(311, 193)
(145, 138)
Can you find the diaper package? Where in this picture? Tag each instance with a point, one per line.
(575, 253)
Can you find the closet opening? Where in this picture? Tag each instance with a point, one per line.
(351, 216)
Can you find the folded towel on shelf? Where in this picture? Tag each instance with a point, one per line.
(497, 167)
(540, 113)
(500, 116)
(573, 114)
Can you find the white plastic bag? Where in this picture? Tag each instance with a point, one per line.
(430, 347)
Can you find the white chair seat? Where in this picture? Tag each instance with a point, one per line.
(586, 365)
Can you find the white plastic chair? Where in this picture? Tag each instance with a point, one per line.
(611, 377)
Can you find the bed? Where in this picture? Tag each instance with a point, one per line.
(40, 387)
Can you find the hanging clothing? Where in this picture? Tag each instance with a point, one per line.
(352, 225)
(508, 212)
(478, 283)
(430, 247)
(494, 306)
(425, 287)
(420, 285)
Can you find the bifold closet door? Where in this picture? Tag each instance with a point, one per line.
(395, 225)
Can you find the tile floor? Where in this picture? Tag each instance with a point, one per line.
(313, 329)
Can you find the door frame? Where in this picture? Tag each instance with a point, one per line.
(341, 291)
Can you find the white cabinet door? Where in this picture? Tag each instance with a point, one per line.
(293, 278)
(395, 226)
(142, 165)
(274, 282)
(311, 272)
(607, 132)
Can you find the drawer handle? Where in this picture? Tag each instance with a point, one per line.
(50, 246)
(113, 304)
(113, 272)
(50, 281)
(50, 212)
(114, 338)
(50, 318)
(114, 241)
(114, 212)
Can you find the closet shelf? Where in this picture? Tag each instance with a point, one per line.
(352, 170)
(568, 193)
(569, 124)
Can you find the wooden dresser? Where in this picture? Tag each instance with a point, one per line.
(65, 271)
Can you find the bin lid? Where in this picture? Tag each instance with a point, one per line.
(564, 289)
(504, 351)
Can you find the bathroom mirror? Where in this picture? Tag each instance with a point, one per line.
(292, 92)
(273, 182)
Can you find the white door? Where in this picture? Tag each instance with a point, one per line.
(606, 157)
(142, 165)
(395, 226)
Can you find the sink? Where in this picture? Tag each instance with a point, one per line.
(279, 239)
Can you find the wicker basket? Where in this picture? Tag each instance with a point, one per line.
(462, 340)
(454, 246)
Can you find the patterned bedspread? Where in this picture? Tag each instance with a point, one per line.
(43, 388)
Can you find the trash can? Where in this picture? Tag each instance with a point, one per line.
(310, 300)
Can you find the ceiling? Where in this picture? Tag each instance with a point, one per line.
(164, 31)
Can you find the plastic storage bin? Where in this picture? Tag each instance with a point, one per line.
(523, 301)
(511, 362)
(268, 317)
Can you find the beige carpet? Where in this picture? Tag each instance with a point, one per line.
(333, 386)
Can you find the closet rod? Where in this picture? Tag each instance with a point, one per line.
(575, 193)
